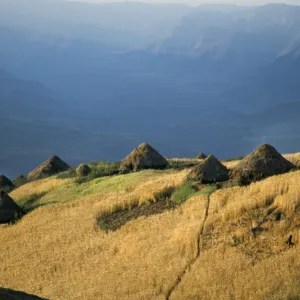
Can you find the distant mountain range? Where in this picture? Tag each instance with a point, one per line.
(119, 26)
(236, 36)
(91, 81)
(24, 99)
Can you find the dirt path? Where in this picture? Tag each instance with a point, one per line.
(190, 264)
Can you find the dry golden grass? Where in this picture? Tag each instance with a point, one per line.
(231, 164)
(232, 202)
(226, 273)
(38, 187)
(255, 268)
(53, 190)
(58, 251)
(140, 193)
(294, 158)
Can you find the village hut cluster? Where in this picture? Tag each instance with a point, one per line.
(264, 162)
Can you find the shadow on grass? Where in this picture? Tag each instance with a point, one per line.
(167, 199)
(115, 220)
(30, 209)
(118, 218)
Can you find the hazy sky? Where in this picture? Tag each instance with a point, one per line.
(239, 2)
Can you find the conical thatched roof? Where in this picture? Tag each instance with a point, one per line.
(143, 157)
(9, 210)
(201, 155)
(208, 171)
(265, 161)
(51, 166)
(5, 182)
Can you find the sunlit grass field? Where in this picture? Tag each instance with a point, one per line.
(202, 249)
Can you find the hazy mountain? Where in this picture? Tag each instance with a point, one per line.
(25, 99)
(120, 26)
(274, 84)
(36, 123)
(224, 81)
(268, 103)
(236, 37)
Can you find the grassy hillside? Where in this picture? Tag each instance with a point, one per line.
(223, 244)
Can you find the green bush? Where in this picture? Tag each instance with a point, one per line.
(182, 193)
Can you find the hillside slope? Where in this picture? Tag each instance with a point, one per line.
(205, 246)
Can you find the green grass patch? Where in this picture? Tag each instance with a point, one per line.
(183, 192)
(71, 173)
(31, 202)
(71, 190)
(100, 169)
(208, 190)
